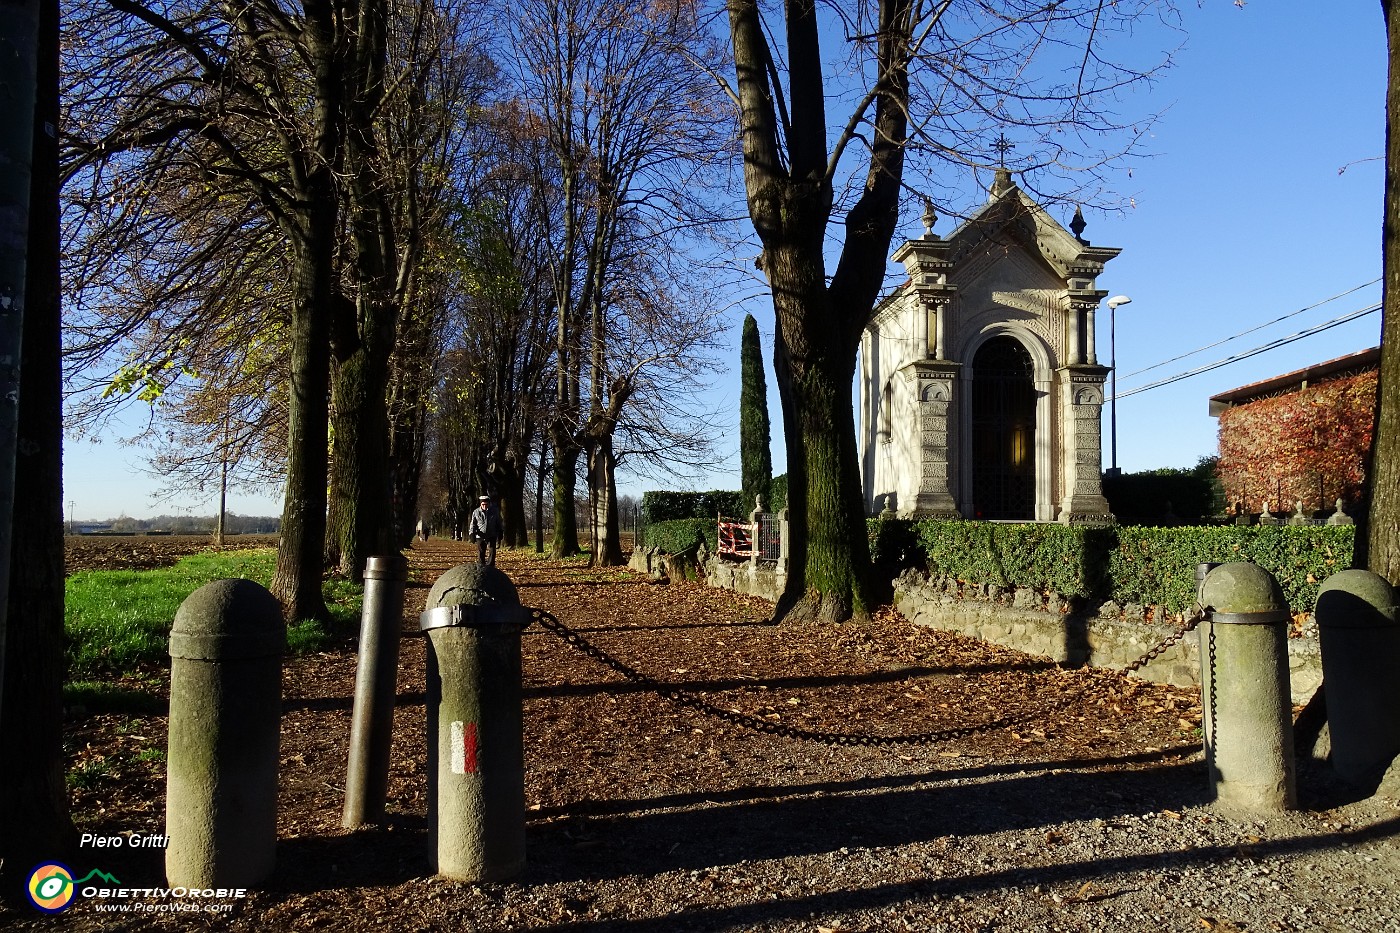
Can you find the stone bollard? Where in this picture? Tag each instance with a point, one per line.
(476, 755)
(225, 715)
(1360, 641)
(376, 688)
(1248, 712)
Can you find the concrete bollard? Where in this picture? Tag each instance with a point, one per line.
(1360, 641)
(376, 687)
(476, 755)
(225, 717)
(1248, 712)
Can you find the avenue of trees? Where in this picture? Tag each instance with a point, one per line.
(401, 252)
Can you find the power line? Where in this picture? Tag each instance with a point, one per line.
(1274, 344)
(1243, 333)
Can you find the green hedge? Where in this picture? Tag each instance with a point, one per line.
(1128, 564)
(777, 489)
(668, 506)
(675, 536)
(1067, 559)
(1158, 565)
(1157, 497)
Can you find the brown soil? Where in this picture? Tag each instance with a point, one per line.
(144, 552)
(646, 816)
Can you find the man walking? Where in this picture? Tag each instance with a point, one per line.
(486, 530)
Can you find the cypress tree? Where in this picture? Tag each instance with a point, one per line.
(755, 458)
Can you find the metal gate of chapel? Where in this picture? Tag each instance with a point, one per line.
(1003, 430)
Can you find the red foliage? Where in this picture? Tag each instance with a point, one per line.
(1308, 445)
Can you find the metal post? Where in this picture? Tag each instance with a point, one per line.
(1247, 707)
(376, 686)
(1113, 375)
(476, 757)
(225, 718)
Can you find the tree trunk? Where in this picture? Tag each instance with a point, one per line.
(539, 496)
(789, 183)
(1379, 546)
(34, 820)
(605, 533)
(300, 556)
(566, 454)
(829, 553)
(360, 489)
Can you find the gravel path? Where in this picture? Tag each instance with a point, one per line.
(1088, 814)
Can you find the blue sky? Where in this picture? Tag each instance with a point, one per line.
(1241, 215)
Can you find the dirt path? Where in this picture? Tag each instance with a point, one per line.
(1086, 813)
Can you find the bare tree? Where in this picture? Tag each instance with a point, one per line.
(633, 120)
(936, 78)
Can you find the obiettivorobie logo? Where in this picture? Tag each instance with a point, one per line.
(52, 887)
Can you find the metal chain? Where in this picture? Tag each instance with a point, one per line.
(767, 727)
(1197, 615)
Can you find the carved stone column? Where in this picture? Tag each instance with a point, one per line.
(935, 380)
(1081, 408)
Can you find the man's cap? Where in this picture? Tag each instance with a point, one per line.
(484, 498)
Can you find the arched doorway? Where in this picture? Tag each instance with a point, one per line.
(1003, 430)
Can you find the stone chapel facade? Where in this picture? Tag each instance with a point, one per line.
(981, 392)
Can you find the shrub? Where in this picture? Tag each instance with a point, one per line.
(1068, 559)
(1125, 563)
(675, 536)
(1158, 565)
(778, 490)
(667, 506)
(1150, 498)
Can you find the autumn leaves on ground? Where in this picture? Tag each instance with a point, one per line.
(620, 781)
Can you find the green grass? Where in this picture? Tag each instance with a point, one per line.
(118, 620)
(89, 775)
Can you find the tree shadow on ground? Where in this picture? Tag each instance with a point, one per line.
(814, 682)
(805, 821)
(766, 913)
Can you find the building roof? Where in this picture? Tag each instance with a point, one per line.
(1295, 381)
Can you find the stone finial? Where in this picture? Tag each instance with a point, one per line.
(930, 217)
(758, 502)
(1340, 517)
(1077, 225)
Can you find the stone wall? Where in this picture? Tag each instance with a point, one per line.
(739, 576)
(750, 579)
(1111, 636)
(1065, 630)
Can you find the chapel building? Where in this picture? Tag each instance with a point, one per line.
(981, 392)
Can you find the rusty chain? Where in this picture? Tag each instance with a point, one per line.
(758, 724)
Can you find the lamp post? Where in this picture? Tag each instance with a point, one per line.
(1113, 304)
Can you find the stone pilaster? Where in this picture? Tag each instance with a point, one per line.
(1081, 421)
(935, 380)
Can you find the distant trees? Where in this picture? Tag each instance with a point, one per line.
(631, 118)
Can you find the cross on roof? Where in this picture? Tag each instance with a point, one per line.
(1003, 146)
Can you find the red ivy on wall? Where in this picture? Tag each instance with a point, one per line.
(1308, 445)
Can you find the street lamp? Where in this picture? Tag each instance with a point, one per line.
(1113, 304)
